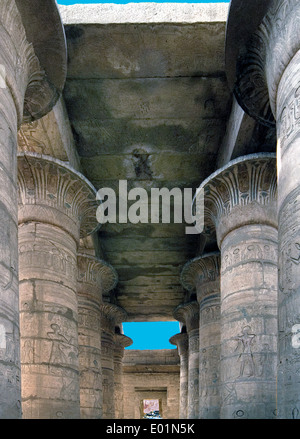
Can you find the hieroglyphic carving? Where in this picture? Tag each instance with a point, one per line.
(50, 257)
(289, 119)
(209, 314)
(264, 253)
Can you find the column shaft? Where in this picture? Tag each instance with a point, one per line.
(56, 206)
(121, 341)
(188, 314)
(107, 340)
(202, 275)
(184, 371)
(249, 322)
(111, 316)
(209, 358)
(10, 390)
(193, 375)
(48, 315)
(288, 128)
(181, 341)
(13, 81)
(89, 337)
(241, 203)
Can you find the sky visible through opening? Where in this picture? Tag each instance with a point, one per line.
(151, 335)
(146, 335)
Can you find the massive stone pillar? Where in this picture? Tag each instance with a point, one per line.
(121, 342)
(202, 274)
(267, 86)
(288, 129)
(57, 206)
(241, 203)
(188, 314)
(25, 93)
(182, 342)
(111, 316)
(95, 278)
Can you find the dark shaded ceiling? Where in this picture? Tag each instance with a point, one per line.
(148, 103)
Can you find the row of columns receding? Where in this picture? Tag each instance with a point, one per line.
(259, 299)
(71, 344)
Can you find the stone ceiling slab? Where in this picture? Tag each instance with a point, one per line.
(148, 102)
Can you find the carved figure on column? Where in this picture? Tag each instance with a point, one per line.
(277, 59)
(57, 205)
(241, 203)
(30, 86)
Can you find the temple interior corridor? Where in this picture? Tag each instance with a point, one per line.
(149, 172)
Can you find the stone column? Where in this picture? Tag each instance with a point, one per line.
(202, 274)
(57, 206)
(188, 313)
(95, 277)
(182, 342)
(111, 316)
(241, 203)
(270, 64)
(121, 342)
(21, 75)
(288, 129)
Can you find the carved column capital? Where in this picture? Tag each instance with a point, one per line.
(188, 313)
(111, 315)
(122, 341)
(199, 273)
(96, 273)
(46, 56)
(35, 57)
(53, 192)
(242, 192)
(181, 340)
(265, 56)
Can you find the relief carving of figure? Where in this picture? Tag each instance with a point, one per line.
(58, 344)
(246, 357)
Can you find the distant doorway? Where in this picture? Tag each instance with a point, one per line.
(151, 409)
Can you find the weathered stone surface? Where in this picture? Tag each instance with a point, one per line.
(55, 204)
(202, 275)
(289, 281)
(51, 135)
(188, 314)
(111, 317)
(45, 32)
(182, 342)
(148, 102)
(21, 76)
(151, 374)
(121, 342)
(95, 279)
(241, 203)
(276, 61)
(146, 13)
(151, 97)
